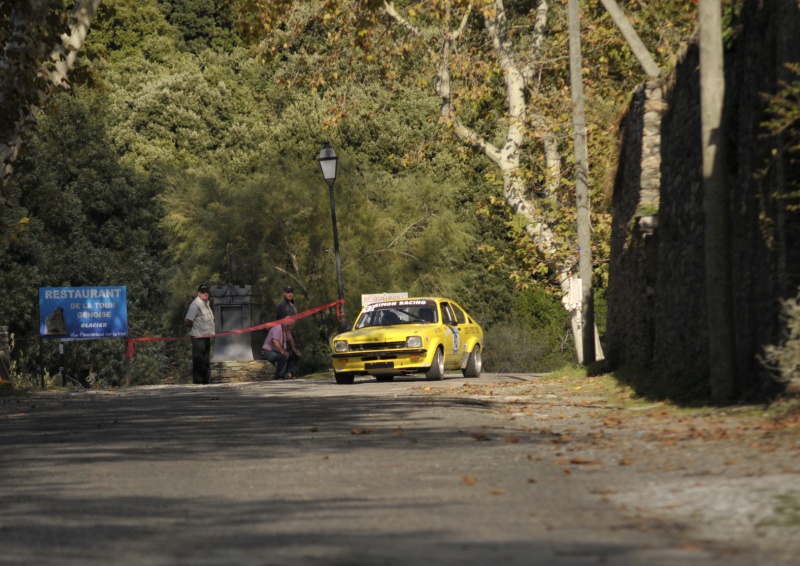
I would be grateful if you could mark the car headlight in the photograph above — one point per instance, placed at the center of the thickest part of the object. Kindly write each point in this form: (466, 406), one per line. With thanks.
(414, 342)
(340, 346)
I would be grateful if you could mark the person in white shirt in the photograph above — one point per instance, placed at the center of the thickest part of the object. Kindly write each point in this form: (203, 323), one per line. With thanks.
(200, 322)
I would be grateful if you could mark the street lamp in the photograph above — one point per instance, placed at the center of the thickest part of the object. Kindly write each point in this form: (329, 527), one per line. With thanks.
(328, 162)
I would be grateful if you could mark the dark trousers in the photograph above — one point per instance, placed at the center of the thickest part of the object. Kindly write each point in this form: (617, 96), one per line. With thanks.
(283, 365)
(201, 363)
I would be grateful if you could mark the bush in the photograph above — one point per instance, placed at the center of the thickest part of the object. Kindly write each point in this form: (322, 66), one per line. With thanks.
(784, 358)
(535, 339)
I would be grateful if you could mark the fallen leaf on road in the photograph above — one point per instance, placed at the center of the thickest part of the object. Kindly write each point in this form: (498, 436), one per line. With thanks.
(469, 480)
(479, 436)
(512, 439)
(497, 491)
(362, 430)
(585, 462)
(626, 462)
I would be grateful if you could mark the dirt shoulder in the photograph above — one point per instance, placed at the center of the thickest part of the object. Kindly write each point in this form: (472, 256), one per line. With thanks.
(727, 474)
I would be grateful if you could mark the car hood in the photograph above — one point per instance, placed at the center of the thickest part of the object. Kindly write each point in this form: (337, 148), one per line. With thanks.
(398, 332)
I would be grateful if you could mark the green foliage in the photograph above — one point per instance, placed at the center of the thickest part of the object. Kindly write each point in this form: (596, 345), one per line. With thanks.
(533, 335)
(357, 35)
(203, 24)
(525, 330)
(190, 112)
(783, 110)
(125, 32)
(513, 347)
(83, 219)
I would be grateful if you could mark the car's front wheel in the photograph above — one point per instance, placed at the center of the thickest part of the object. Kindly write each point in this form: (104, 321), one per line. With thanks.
(436, 371)
(474, 363)
(344, 378)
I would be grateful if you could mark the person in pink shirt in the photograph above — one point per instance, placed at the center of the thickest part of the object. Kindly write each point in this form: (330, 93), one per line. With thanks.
(279, 349)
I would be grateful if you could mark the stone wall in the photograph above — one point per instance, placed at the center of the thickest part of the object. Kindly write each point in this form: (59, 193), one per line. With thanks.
(656, 296)
(232, 372)
(629, 339)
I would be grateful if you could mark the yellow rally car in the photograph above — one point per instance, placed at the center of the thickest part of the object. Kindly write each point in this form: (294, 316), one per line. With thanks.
(398, 337)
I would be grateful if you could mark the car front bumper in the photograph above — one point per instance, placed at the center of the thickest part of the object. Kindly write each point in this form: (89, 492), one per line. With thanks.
(383, 361)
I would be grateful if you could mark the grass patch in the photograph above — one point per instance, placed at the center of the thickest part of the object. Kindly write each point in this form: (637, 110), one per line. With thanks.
(786, 511)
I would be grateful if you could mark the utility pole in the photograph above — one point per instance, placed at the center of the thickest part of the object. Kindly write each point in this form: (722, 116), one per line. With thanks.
(716, 204)
(581, 185)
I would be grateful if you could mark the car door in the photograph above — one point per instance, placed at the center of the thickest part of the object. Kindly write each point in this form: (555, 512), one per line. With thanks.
(452, 342)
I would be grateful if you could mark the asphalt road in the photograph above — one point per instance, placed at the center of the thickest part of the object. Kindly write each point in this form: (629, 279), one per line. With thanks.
(307, 472)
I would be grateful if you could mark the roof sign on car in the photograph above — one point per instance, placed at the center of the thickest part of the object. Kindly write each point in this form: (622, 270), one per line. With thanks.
(381, 297)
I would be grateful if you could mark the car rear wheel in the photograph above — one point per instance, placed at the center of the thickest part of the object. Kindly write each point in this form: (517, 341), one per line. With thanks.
(436, 371)
(344, 378)
(384, 377)
(474, 363)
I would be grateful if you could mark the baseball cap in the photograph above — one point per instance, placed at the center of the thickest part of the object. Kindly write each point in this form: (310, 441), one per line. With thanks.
(288, 289)
(203, 289)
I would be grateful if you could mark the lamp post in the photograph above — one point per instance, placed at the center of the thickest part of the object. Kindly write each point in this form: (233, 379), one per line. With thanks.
(328, 162)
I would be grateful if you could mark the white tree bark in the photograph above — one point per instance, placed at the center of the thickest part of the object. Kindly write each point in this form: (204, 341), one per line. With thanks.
(54, 71)
(586, 352)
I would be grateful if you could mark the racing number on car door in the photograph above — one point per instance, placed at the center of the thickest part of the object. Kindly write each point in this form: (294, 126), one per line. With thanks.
(453, 338)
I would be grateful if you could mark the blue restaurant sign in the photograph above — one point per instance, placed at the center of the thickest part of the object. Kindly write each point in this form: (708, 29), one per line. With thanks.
(83, 313)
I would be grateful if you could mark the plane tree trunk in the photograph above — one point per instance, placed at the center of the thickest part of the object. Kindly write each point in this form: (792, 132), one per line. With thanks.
(25, 88)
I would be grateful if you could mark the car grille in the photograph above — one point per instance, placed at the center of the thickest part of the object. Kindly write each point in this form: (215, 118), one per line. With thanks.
(373, 346)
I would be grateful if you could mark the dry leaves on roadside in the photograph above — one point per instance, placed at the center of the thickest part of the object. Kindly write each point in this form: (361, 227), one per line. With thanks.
(469, 480)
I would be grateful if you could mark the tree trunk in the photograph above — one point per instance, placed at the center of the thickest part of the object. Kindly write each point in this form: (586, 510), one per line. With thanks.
(716, 207)
(54, 72)
(587, 327)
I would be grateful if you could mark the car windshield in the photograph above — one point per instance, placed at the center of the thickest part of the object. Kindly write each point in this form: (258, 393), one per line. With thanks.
(398, 312)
